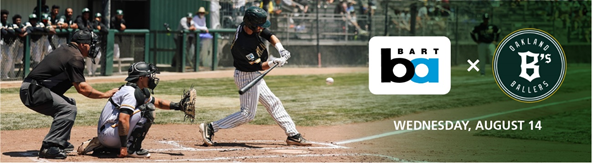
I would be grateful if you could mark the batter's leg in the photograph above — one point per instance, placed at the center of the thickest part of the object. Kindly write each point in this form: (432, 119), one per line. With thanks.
(276, 109)
(248, 103)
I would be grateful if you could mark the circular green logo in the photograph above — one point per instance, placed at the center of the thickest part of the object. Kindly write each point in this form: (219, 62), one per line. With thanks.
(529, 65)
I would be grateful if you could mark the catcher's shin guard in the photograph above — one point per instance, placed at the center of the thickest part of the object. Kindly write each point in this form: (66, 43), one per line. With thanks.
(138, 134)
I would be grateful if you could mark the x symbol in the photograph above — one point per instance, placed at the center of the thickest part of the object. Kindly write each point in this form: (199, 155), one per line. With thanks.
(473, 65)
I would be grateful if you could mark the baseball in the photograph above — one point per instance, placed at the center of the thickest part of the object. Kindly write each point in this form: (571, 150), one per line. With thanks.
(329, 81)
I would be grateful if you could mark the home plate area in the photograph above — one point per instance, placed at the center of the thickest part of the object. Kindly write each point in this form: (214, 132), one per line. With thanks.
(256, 151)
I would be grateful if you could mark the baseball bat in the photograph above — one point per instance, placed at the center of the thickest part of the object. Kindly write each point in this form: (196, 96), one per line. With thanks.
(254, 81)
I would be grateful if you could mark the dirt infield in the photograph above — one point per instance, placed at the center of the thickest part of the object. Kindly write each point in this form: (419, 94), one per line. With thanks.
(361, 142)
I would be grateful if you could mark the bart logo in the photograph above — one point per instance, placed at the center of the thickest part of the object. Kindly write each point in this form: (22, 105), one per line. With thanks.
(529, 65)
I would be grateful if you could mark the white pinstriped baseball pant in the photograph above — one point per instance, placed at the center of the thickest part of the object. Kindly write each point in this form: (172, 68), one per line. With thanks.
(249, 101)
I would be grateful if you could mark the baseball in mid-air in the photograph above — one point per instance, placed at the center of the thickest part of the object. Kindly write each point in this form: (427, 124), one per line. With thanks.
(329, 81)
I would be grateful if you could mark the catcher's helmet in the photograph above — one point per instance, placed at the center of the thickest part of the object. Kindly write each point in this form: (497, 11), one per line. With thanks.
(141, 69)
(254, 17)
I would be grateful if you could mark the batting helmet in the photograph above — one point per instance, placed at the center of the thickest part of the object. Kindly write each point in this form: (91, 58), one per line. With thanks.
(256, 17)
(141, 69)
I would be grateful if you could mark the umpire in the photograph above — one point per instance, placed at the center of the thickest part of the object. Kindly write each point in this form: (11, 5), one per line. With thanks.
(43, 91)
(488, 35)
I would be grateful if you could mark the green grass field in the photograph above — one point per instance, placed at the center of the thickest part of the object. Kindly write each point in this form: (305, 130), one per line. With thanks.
(307, 98)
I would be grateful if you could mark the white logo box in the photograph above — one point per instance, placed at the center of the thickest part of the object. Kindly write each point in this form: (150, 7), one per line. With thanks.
(406, 43)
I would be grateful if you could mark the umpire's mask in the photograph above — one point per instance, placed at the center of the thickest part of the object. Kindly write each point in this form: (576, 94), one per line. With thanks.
(94, 50)
(88, 37)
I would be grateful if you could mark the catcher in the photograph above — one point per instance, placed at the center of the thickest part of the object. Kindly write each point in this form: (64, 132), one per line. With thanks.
(129, 113)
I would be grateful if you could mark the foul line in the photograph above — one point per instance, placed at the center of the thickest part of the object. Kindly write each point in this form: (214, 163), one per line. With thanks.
(280, 156)
(179, 147)
(469, 119)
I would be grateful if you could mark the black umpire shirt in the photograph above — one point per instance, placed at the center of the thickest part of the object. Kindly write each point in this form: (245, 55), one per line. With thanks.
(249, 51)
(486, 33)
(59, 69)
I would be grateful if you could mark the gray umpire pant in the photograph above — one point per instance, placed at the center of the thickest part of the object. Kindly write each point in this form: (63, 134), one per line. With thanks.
(485, 52)
(63, 110)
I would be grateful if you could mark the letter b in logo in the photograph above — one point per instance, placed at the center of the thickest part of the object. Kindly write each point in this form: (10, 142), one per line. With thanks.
(404, 65)
(387, 65)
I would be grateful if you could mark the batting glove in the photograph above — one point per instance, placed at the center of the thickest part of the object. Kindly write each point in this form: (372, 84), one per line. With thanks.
(284, 54)
(276, 61)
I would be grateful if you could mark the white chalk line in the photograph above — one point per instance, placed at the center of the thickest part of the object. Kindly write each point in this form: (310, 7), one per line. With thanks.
(469, 119)
(280, 156)
(36, 159)
(179, 147)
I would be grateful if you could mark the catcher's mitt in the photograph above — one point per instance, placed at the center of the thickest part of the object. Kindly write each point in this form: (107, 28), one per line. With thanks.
(188, 104)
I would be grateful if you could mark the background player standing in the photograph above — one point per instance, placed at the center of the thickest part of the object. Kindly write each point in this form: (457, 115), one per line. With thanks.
(488, 35)
(250, 56)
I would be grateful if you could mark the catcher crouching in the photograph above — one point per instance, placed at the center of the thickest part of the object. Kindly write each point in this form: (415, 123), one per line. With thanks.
(129, 113)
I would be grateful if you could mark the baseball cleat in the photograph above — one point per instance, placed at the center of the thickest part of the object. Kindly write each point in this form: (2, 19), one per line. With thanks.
(88, 146)
(207, 133)
(139, 154)
(69, 148)
(297, 140)
(52, 153)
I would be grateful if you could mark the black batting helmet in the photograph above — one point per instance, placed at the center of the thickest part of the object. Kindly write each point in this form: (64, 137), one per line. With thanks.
(254, 17)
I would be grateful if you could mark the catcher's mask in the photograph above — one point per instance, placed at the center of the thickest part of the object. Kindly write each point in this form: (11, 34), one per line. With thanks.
(139, 69)
(88, 37)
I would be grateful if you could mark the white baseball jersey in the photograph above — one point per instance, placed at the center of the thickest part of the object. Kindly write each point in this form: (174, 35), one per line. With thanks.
(107, 133)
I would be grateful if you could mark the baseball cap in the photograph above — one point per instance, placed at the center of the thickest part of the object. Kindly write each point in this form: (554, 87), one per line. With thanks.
(485, 16)
(119, 12)
(189, 15)
(33, 16)
(86, 10)
(98, 15)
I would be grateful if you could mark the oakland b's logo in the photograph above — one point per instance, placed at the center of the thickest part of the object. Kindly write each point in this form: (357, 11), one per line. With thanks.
(529, 65)
(409, 65)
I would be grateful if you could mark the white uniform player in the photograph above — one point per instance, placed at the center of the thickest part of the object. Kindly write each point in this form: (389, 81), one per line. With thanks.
(37, 41)
(129, 111)
(250, 56)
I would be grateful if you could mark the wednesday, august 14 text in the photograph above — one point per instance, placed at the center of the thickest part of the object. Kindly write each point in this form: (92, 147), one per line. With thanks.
(468, 125)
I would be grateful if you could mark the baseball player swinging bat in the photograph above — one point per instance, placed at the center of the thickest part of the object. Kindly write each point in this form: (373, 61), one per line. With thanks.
(254, 81)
